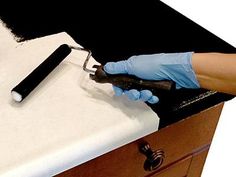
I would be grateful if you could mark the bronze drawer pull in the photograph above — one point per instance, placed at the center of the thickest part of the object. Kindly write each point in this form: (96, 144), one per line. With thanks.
(154, 158)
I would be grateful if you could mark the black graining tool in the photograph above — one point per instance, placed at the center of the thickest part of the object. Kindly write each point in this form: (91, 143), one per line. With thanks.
(126, 82)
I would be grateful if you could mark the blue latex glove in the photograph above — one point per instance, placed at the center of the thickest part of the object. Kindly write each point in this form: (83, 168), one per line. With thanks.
(164, 66)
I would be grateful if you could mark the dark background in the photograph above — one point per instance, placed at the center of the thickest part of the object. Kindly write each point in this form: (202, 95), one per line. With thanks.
(116, 29)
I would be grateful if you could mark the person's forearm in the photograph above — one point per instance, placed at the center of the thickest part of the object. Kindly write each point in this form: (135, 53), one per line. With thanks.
(216, 71)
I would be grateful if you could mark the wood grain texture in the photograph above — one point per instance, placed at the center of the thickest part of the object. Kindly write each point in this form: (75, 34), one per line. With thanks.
(178, 169)
(196, 166)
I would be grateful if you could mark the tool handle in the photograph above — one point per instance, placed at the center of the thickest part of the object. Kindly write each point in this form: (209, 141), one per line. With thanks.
(127, 82)
(28, 84)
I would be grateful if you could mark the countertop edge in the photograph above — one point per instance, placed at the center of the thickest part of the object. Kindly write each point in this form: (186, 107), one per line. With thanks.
(75, 154)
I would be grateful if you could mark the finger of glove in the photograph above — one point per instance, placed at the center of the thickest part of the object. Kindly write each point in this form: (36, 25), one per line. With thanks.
(119, 67)
(132, 94)
(118, 91)
(146, 95)
(154, 99)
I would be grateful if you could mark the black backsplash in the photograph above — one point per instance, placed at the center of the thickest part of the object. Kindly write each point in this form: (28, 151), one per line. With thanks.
(116, 30)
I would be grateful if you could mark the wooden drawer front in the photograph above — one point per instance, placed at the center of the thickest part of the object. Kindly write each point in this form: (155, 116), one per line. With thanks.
(197, 163)
(178, 140)
(190, 166)
(178, 169)
(186, 137)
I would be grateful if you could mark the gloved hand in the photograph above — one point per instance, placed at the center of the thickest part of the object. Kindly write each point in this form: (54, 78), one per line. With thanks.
(164, 66)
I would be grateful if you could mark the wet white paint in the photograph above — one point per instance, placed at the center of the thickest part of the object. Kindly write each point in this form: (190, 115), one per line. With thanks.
(68, 119)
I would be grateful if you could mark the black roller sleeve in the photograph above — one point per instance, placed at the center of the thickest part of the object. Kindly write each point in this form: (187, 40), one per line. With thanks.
(41, 72)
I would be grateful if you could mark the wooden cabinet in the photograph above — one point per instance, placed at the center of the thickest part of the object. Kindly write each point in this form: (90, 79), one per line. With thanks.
(184, 146)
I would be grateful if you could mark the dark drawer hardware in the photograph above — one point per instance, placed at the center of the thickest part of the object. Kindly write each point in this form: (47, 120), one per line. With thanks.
(154, 158)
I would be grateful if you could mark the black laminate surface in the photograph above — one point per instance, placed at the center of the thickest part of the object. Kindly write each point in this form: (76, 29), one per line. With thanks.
(116, 30)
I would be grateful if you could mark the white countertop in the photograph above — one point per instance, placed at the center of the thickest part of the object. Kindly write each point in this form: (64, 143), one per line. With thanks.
(68, 119)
